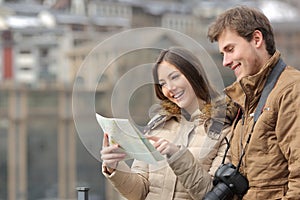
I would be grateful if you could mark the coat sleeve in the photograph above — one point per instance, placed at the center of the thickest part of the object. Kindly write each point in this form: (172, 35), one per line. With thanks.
(226, 132)
(288, 135)
(131, 184)
(194, 176)
(196, 180)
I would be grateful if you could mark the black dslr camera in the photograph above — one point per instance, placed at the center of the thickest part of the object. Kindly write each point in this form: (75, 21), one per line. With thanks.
(227, 183)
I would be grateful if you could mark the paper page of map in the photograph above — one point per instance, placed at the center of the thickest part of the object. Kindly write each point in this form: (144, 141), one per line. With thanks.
(136, 146)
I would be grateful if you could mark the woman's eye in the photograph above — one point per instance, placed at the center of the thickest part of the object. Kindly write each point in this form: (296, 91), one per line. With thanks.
(175, 76)
(162, 84)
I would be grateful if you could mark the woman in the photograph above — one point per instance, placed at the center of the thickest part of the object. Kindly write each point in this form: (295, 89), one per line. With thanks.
(179, 130)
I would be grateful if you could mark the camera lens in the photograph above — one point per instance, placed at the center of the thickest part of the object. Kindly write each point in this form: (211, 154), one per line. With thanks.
(220, 192)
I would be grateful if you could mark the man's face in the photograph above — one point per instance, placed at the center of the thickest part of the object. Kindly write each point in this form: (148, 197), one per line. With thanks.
(238, 54)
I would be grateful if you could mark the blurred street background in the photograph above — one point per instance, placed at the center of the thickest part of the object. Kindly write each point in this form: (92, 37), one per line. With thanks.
(43, 43)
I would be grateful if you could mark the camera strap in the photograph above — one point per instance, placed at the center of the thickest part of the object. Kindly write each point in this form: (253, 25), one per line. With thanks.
(269, 85)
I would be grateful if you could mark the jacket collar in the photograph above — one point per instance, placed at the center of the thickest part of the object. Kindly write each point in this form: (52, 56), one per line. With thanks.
(198, 117)
(249, 88)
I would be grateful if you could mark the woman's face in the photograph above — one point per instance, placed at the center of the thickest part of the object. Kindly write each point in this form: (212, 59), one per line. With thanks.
(176, 87)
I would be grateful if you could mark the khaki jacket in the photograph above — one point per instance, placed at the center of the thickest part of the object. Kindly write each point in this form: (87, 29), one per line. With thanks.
(185, 175)
(272, 159)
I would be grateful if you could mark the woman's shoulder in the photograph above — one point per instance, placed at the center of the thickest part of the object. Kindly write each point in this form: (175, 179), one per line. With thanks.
(223, 114)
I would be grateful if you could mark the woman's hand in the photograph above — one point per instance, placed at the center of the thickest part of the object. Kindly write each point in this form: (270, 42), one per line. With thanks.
(164, 146)
(110, 155)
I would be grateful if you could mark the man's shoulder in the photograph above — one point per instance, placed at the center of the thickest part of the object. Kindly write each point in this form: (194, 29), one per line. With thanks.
(289, 78)
(290, 75)
(292, 69)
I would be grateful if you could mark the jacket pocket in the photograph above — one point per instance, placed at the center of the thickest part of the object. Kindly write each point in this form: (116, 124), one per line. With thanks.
(264, 138)
(270, 193)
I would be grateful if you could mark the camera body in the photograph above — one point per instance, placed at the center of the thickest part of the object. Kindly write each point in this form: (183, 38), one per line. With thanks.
(227, 183)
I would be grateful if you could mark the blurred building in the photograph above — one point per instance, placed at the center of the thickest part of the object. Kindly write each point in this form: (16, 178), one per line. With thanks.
(43, 45)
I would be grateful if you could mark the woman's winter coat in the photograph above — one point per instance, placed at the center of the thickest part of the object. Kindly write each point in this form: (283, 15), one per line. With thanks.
(185, 175)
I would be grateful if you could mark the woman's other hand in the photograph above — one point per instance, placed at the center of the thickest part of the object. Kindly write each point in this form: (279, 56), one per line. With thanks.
(110, 155)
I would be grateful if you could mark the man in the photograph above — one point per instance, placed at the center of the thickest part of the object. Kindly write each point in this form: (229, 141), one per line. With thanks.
(269, 149)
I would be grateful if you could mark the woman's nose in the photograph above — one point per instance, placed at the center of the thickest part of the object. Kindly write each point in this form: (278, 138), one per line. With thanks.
(170, 86)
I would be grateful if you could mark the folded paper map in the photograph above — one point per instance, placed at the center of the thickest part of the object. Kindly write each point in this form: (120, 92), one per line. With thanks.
(130, 140)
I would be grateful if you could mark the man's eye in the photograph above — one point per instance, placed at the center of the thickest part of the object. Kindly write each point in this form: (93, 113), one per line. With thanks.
(230, 49)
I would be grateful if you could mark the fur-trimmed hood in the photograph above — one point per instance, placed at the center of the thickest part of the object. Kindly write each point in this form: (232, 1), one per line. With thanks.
(215, 116)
